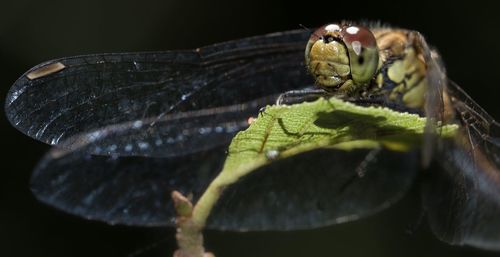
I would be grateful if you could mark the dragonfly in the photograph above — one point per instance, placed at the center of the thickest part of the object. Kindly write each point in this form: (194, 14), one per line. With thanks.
(129, 128)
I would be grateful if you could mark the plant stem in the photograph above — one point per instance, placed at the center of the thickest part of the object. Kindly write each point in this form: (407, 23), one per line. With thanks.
(189, 234)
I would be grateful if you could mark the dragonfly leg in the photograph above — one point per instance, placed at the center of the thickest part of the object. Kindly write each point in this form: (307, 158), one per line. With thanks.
(297, 96)
(361, 169)
(301, 95)
(367, 101)
(369, 158)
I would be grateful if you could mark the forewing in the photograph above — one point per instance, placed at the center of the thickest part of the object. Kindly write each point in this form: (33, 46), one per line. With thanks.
(65, 97)
(171, 135)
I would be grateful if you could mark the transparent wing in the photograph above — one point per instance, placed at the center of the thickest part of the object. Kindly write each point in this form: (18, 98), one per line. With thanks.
(171, 135)
(434, 105)
(462, 195)
(314, 189)
(463, 198)
(64, 97)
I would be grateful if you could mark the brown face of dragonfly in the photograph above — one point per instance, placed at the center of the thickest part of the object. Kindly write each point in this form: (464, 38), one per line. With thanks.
(342, 58)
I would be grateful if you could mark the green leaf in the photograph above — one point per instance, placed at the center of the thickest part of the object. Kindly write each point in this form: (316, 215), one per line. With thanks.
(285, 131)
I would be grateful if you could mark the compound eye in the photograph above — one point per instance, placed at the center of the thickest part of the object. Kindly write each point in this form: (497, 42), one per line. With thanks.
(363, 53)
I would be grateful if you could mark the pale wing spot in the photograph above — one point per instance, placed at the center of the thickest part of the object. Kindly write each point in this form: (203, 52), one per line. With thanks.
(45, 70)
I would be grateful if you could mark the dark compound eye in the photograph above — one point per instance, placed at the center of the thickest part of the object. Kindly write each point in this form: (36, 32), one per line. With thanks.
(363, 36)
(363, 52)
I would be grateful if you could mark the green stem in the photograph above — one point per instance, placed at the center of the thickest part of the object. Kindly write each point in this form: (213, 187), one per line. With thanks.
(189, 236)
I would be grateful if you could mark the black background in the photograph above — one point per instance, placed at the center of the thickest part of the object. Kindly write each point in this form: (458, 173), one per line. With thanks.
(466, 33)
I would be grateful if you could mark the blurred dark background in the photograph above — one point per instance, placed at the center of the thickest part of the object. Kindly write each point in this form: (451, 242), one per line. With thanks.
(466, 32)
